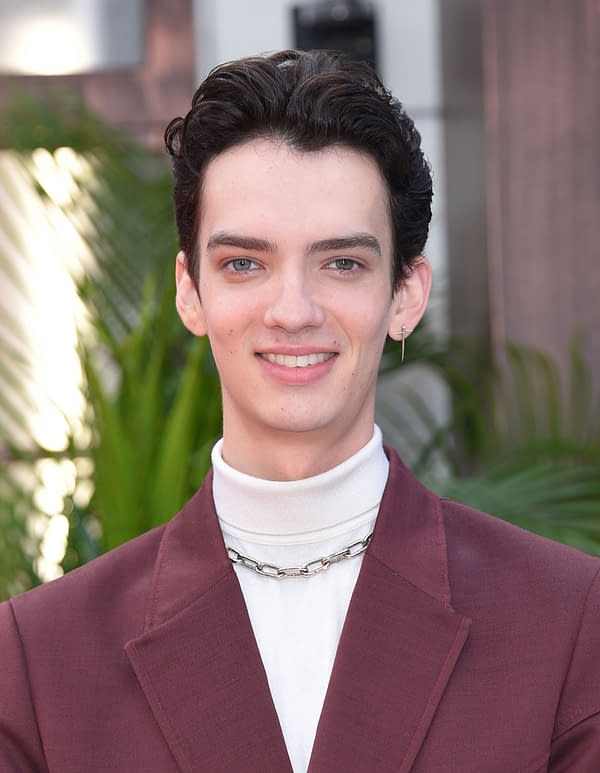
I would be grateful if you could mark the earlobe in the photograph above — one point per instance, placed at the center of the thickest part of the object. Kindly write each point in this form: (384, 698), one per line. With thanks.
(410, 300)
(187, 299)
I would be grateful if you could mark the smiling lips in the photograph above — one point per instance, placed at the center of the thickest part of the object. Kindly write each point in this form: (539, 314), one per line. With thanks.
(297, 361)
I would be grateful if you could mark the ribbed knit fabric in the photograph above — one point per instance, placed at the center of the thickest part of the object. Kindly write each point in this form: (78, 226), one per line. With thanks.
(297, 622)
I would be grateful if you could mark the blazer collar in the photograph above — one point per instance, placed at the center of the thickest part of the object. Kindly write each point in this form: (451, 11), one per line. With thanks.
(197, 661)
(400, 642)
(199, 667)
(410, 538)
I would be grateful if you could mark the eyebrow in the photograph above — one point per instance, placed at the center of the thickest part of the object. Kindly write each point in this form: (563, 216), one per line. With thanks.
(339, 243)
(332, 244)
(226, 239)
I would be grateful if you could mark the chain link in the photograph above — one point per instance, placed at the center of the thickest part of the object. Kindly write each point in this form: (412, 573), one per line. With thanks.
(307, 570)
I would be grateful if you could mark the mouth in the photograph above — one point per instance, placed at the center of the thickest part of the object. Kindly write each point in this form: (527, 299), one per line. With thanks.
(297, 361)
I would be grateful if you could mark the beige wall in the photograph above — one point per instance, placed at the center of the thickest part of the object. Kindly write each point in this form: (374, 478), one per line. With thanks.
(522, 142)
(542, 106)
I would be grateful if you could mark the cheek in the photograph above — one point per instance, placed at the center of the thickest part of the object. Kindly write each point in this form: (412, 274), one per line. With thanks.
(221, 319)
(372, 325)
(370, 337)
(225, 333)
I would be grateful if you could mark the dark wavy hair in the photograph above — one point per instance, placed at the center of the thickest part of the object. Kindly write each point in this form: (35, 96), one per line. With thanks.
(311, 100)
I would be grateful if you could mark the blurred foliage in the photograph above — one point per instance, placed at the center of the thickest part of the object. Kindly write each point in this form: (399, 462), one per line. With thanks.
(59, 120)
(19, 543)
(522, 440)
(153, 433)
(152, 390)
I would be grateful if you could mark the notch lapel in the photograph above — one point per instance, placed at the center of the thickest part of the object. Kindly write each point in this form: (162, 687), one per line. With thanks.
(400, 642)
(197, 662)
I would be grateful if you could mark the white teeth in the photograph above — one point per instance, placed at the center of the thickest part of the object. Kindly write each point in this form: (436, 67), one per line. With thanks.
(300, 361)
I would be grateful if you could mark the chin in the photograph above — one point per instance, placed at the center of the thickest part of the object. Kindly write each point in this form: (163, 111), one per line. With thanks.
(299, 423)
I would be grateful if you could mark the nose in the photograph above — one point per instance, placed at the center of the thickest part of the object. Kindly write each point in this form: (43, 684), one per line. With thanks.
(294, 305)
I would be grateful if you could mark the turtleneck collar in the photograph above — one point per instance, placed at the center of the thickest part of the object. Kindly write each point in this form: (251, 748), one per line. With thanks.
(300, 510)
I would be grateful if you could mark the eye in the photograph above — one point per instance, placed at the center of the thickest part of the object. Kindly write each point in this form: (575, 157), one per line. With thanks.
(344, 265)
(241, 265)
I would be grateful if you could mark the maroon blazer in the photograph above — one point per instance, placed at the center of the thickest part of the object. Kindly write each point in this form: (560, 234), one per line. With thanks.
(470, 646)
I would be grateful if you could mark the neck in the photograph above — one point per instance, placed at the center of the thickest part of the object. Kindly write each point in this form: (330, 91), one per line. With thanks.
(300, 510)
(291, 455)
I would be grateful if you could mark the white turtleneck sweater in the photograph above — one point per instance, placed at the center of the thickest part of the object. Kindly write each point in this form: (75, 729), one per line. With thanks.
(297, 621)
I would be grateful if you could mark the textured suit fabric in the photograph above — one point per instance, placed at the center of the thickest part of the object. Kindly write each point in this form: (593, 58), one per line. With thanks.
(469, 646)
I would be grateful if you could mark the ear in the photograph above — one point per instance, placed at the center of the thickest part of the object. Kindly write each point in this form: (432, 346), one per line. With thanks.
(410, 300)
(187, 299)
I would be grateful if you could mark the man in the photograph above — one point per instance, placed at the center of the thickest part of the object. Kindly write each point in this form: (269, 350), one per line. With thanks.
(313, 607)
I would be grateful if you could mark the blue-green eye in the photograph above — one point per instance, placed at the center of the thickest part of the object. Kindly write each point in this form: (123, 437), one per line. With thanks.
(242, 265)
(344, 264)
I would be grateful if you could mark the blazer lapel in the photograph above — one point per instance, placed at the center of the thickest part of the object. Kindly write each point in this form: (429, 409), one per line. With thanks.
(400, 641)
(197, 661)
(198, 664)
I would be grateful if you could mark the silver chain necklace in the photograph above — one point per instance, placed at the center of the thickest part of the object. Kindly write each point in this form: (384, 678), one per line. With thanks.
(308, 570)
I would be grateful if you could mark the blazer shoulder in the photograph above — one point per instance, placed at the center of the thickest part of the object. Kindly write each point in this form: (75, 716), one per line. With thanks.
(113, 587)
(512, 564)
(475, 545)
(495, 537)
(117, 595)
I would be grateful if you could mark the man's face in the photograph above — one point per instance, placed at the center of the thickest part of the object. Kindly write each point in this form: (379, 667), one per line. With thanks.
(295, 294)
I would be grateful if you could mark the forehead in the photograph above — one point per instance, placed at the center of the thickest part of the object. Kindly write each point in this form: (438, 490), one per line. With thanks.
(265, 187)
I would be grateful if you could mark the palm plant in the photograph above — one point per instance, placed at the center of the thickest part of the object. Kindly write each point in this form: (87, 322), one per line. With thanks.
(153, 431)
(154, 427)
(153, 408)
(522, 440)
